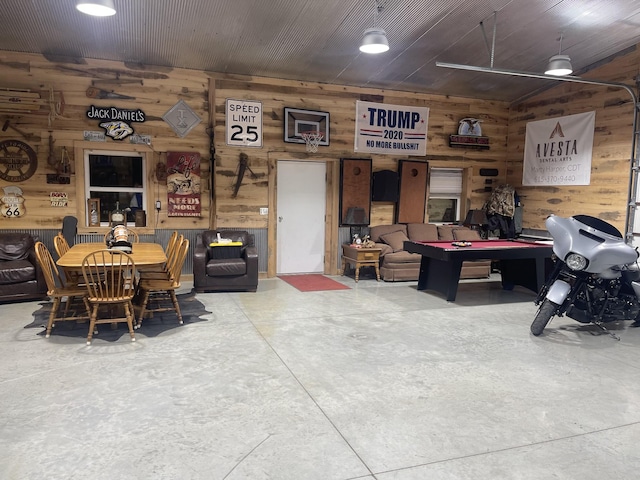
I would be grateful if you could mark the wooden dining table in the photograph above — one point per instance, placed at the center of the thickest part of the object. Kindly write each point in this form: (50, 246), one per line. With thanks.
(143, 254)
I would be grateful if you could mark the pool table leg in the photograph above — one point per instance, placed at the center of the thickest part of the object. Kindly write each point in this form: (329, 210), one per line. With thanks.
(443, 277)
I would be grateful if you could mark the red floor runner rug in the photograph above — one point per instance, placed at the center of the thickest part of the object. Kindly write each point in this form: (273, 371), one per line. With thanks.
(312, 282)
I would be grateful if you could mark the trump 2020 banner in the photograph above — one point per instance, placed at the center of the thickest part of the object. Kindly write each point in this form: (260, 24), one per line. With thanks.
(391, 129)
(558, 151)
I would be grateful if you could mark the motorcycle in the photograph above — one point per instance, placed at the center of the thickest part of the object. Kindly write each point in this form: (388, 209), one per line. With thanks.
(595, 279)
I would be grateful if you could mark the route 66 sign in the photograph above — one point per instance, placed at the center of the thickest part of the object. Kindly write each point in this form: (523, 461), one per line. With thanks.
(18, 161)
(12, 203)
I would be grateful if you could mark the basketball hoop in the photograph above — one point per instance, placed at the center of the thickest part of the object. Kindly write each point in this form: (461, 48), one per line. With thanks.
(312, 138)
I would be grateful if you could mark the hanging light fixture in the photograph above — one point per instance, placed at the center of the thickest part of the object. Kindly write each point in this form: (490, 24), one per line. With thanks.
(375, 39)
(559, 65)
(97, 8)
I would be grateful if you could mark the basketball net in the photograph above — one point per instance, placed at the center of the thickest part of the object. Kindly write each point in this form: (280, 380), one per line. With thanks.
(312, 139)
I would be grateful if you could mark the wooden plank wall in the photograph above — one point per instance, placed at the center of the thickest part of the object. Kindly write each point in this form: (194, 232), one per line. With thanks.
(340, 102)
(606, 196)
(156, 89)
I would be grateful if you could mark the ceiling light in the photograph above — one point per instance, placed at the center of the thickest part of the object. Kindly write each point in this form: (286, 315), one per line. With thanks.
(374, 41)
(559, 65)
(97, 8)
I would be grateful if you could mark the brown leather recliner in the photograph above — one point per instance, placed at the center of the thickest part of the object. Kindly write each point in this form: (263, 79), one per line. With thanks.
(21, 277)
(225, 268)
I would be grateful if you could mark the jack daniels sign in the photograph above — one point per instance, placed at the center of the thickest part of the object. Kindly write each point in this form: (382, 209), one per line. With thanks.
(116, 121)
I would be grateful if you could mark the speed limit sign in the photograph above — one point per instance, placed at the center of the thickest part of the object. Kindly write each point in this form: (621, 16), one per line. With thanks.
(244, 123)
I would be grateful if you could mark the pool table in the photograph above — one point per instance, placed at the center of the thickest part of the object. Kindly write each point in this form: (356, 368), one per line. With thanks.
(521, 263)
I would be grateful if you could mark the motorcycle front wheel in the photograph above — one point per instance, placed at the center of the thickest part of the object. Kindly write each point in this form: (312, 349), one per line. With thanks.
(545, 312)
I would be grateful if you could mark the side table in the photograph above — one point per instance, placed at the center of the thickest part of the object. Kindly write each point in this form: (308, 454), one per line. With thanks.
(361, 257)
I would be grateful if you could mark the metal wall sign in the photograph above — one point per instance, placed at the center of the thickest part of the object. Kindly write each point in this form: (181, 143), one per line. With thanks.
(12, 202)
(244, 123)
(116, 121)
(18, 161)
(92, 136)
(181, 118)
(183, 184)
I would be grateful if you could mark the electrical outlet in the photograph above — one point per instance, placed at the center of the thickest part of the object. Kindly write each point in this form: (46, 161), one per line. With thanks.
(264, 211)
(158, 205)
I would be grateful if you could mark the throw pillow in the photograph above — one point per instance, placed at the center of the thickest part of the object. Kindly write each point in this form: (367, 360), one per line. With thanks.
(426, 232)
(445, 232)
(466, 234)
(395, 240)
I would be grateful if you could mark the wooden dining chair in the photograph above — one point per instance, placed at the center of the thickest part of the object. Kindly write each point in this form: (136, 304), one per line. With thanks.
(107, 274)
(161, 271)
(57, 289)
(161, 288)
(62, 246)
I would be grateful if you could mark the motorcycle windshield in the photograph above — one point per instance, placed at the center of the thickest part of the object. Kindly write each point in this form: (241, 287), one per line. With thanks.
(603, 249)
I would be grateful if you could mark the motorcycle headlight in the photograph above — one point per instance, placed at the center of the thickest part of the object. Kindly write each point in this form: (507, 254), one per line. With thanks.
(576, 262)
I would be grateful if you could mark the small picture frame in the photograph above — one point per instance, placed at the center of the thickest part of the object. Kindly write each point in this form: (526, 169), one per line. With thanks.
(298, 121)
(93, 205)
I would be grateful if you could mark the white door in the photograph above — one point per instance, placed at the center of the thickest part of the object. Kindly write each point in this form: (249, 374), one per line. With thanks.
(301, 203)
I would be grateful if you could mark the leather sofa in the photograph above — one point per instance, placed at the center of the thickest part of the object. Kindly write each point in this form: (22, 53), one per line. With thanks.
(396, 264)
(21, 277)
(225, 268)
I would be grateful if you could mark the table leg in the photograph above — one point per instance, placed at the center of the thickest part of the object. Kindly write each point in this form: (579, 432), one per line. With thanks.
(357, 271)
(377, 267)
(344, 265)
(440, 276)
(526, 272)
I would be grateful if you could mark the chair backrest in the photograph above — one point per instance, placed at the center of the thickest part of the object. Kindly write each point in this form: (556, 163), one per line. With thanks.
(174, 242)
(61, 245)
(108, 275)
(209, 236)
(175, 270)
(132, 236)
(49, 268)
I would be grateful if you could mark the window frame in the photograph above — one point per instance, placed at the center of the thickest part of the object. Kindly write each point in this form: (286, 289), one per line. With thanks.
(88, 188)
(82, 150)
(447, 195)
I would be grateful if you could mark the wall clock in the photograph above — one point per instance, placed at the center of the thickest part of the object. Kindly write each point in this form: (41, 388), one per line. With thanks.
(18, 161)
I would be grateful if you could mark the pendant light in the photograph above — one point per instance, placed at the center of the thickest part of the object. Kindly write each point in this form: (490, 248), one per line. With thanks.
(559, 65)
(97, 8)
(375, 39)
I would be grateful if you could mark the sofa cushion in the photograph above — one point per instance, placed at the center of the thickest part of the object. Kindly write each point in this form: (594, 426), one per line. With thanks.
(15, 246)
(402, 257)
(226, 267)
(422, 232)
(466, 234)
(445, 232)
(395, 240)
(16, 271)
(376, 232)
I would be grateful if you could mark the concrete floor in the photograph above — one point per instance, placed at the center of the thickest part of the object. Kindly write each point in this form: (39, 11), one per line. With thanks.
(376, 382)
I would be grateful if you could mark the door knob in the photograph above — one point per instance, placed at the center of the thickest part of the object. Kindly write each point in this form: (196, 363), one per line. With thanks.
(279, 219)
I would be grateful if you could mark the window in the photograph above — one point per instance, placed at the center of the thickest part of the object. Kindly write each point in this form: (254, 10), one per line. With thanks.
(445, 188)
(116, 178)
